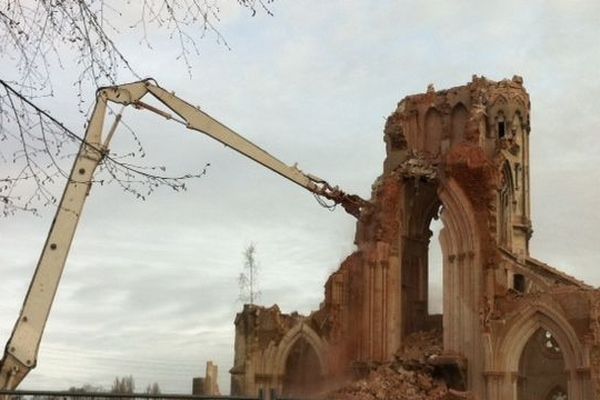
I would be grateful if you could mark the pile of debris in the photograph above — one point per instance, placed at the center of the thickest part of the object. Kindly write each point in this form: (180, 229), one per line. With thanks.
(412, 375)
(422, 347)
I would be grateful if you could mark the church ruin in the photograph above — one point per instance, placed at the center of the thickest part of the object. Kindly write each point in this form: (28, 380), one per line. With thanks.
(513, 327)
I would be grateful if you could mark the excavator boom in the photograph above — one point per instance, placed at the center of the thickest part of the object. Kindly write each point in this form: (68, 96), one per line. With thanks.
(20, 355)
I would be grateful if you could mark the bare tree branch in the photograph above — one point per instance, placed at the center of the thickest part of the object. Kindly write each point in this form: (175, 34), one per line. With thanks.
(248, 279)
(34, 36)
(38, 144)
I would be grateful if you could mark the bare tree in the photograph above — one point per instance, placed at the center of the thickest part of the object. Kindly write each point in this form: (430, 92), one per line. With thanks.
(248, 279)
(123, 385)
(153, 389)
(86, 388)
(36, 31)
(36, 36)
(39, 152)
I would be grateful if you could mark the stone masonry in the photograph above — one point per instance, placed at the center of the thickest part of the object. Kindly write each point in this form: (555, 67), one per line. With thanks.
(513, 327)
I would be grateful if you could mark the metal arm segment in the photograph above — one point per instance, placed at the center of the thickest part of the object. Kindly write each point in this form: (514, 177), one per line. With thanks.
(20, 355)
(198, 120)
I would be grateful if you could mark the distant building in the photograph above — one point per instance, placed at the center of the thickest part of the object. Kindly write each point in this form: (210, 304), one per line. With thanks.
(207, 385)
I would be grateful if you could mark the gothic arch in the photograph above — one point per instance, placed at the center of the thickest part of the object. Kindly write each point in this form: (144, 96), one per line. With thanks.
(425, 207)
(506, 198)
(460, 115)
(508, 176)
(299, 331)
(434, 128)
(500, 126)
(422, 205)
(526, 323)
(463, 275)
(458, 216)
(522, 327)
(508, 110)
(500, 101)
(517, 121)
(521, 118)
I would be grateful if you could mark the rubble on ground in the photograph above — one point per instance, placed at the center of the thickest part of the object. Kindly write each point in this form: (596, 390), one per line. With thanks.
(411, 376)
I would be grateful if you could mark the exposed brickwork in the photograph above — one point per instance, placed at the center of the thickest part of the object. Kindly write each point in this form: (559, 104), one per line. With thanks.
(461, 154)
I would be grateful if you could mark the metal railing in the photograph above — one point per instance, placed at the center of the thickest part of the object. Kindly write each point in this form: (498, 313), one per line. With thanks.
(72, 395)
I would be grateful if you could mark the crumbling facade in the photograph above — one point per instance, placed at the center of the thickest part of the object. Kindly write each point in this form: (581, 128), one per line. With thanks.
(287, 353)
(513, 327)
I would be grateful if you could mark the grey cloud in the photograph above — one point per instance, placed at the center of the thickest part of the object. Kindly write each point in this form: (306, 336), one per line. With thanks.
(155, 280)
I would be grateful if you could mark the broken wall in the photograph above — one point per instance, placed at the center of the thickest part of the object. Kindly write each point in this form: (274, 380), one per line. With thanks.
(461, 155)
(283, 352)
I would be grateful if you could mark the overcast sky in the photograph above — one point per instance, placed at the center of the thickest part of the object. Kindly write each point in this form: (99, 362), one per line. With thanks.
(150, 288)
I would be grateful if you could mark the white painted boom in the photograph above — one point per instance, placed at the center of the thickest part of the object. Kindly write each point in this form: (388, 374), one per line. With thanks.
(20, 355)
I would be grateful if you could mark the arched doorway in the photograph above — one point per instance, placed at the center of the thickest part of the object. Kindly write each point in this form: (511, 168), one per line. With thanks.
(542, 369)
(540, 332)
(422, 272)
(303, 374)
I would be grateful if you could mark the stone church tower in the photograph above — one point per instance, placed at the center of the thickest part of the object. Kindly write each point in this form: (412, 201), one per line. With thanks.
(513, 327)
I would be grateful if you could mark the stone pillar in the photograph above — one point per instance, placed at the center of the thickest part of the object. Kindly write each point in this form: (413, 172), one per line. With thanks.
(378, 288)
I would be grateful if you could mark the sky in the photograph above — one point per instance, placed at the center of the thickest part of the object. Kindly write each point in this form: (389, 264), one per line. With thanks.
(150, 288)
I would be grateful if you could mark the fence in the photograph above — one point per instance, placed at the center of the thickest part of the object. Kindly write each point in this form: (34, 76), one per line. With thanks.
(68, 395)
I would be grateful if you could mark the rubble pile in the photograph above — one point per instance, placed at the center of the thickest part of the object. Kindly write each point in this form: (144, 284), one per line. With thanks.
(421, 347)
(411, 376)
(394, 382)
